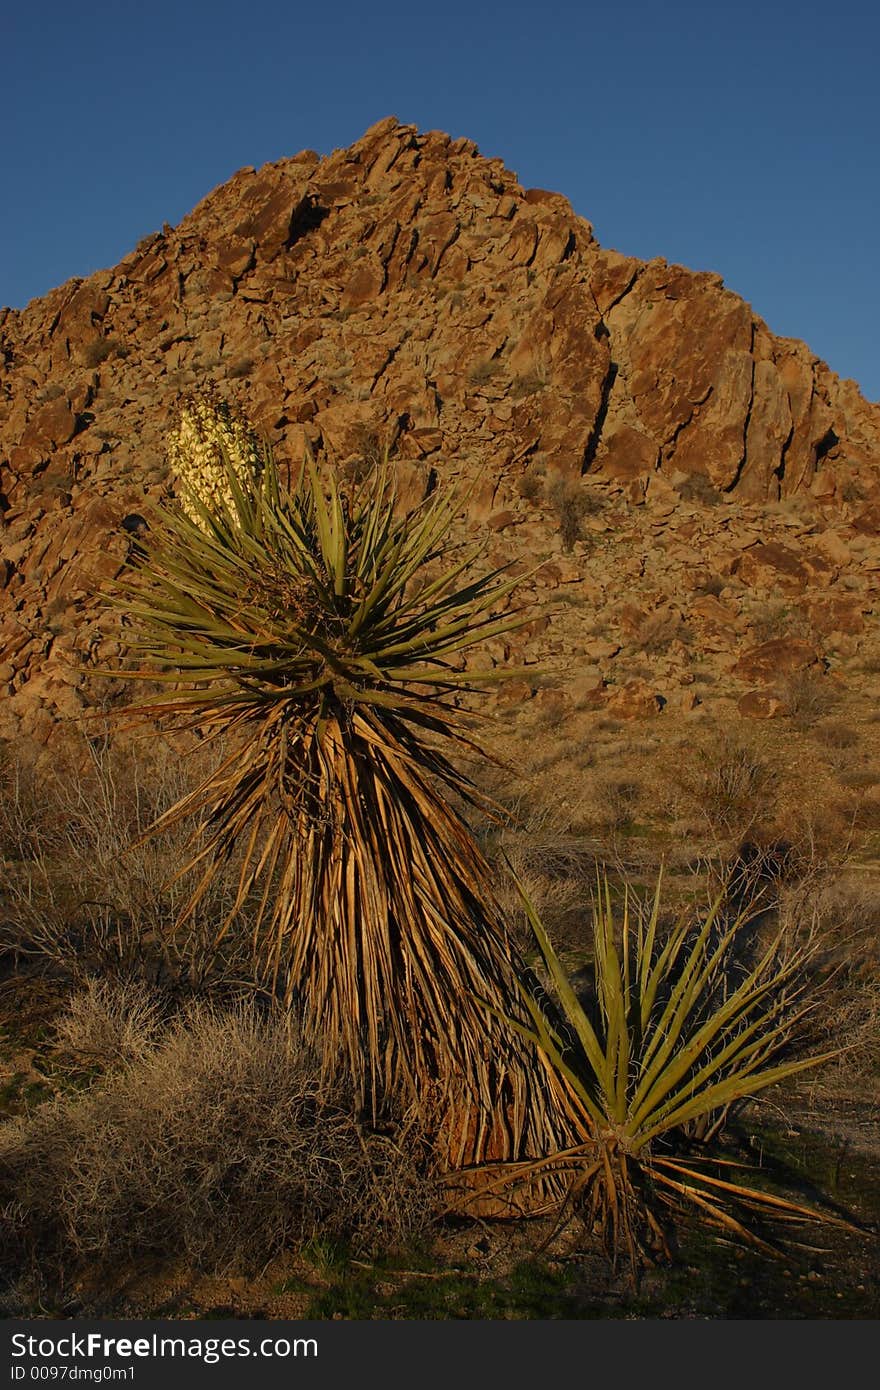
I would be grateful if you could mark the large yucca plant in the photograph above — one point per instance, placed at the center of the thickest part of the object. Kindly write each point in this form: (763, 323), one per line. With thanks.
(322, 635)
(680, 1030)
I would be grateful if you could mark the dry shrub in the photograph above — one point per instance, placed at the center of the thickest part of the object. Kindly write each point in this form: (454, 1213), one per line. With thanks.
(870, 663)
(242, 366)
(538, 838)
(561, 902)
(845, 904)
(780, 619)
(861, 812)
(696, 487)
(50, 392)
(859, 778)
(371, 448)
(83, 897)
(759, 869)
(99, 349)
(842, 905)
(572, 502)
(22, 809)
(530, 485)
(221, 1145)
(729, 784)
(616, 800)
(851, 1019)
(836, 734)
(487, 369)
(529, 383)
(809, 697)
(107, 1023)
(554, 863)
(658, 630)
(704, 582)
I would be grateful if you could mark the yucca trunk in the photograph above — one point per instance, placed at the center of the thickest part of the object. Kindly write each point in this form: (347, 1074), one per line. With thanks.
(387, 935)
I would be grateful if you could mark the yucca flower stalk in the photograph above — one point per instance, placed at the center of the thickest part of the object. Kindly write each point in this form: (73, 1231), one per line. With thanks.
(680, 1031)
(321, 636)
(209, 441)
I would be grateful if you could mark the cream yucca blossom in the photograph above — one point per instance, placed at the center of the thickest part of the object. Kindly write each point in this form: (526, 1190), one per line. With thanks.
(210, 446)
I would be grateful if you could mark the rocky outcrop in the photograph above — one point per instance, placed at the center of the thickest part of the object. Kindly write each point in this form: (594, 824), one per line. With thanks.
(408, 289)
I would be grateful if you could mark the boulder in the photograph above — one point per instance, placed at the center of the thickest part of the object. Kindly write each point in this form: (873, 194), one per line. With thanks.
(634, 700)
(782, 656)
(763, 704)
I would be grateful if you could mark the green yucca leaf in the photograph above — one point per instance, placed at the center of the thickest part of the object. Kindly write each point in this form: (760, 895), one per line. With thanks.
(685, 992)
(649, 978)
(574, 1012)
(739, 1086)
(729, 1018)
(197, 601)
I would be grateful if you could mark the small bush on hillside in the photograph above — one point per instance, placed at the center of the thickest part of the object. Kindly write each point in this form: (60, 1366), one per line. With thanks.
(485, 371)
(99, 349)
(530, 382)
(809, 697)
(729, 784)
(836, 734)
(616, 801)
(713, 584)
(658, 630)
(870, 664)
(776, 619)
(843, 904)
(859, 778)
(572, 503)
(242, 366)
(697, 488)
(537, 840)
(530, 485)
(22, 810)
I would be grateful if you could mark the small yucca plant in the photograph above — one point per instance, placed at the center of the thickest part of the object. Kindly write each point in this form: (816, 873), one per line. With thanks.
(321, 636)
(679, 1032)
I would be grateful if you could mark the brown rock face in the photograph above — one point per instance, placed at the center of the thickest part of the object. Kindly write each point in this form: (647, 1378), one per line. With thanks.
(409, 289)
(762, 704)
(634, 700)
(784, 656)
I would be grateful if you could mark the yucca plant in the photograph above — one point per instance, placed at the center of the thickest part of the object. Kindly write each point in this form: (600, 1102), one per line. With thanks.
(322, 636)
(680, 1031)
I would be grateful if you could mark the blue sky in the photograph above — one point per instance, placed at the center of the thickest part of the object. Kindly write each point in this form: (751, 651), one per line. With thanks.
(740, 137)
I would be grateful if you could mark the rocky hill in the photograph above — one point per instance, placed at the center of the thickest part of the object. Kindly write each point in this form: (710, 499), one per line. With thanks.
(705, 496)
